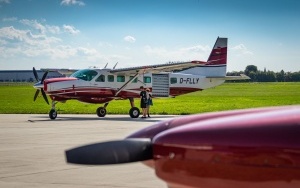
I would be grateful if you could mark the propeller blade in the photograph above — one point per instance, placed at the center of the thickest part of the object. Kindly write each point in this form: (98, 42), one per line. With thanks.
(35, 74)
(113, 152)
(44, 76)
(36, 94)
(45, 96)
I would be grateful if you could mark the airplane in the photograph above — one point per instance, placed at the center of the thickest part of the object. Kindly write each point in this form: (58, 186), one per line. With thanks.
(246, 148)
(100, 86)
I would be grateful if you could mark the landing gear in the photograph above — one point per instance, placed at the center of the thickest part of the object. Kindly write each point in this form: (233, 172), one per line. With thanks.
(101, 111)
(134, 112)
(53, 112)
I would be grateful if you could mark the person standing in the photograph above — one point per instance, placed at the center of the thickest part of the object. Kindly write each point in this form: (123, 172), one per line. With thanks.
(143, 96)
(149, 101)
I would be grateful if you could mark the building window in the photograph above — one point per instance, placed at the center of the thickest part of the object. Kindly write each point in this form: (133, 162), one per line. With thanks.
(120, 78)
(173, 80)
(111, 78)
(101, 78)
(147, 79)
(134, 81)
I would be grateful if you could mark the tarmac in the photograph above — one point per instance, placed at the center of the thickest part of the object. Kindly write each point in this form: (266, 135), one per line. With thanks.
(32, 151)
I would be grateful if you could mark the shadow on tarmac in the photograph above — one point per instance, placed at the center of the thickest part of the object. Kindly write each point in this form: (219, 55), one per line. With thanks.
(156, 118)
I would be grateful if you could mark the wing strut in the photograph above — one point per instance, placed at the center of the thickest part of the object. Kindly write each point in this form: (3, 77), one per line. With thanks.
(129, 81)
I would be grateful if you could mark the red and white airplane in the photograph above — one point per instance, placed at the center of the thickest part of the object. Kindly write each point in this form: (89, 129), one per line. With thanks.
(164, 80)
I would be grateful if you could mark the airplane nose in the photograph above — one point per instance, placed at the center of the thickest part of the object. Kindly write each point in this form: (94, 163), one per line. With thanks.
(38, 85)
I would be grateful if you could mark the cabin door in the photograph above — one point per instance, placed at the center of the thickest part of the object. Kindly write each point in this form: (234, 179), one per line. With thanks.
(160, 85)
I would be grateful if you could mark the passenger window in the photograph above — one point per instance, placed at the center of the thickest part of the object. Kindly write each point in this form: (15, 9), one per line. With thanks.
(101, 78)
(147, 79)
(173, 80)
(134, 81)
(111, 78)
(120, 78)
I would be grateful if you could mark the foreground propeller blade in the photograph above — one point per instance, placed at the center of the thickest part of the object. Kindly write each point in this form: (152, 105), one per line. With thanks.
(44, 76)
(113, 152)
(45, 96)
(36, 94)
(35, 74)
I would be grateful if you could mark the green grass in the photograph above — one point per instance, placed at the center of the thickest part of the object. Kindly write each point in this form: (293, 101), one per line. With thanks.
(18, 99)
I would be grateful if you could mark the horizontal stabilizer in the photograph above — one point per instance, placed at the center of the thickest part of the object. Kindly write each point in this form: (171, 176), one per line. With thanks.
(241, 77)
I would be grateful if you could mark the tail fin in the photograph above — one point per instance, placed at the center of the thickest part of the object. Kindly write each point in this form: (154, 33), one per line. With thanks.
(216, 63)
(218, 55)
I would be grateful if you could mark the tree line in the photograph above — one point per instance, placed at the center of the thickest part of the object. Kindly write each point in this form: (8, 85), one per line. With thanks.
(266, 76)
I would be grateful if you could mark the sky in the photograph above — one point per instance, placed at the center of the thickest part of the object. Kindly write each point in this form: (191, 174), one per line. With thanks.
(83, 33)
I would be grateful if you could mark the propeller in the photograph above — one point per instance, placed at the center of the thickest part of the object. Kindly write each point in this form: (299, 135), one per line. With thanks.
(39, 85)
(112, 152)
(35, 75)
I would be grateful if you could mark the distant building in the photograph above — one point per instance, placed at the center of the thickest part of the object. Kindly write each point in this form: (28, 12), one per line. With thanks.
(24, 75)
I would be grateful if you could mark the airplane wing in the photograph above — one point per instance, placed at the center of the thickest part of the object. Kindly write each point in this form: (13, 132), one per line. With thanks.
(241, 77)
(168, 67)
(66, 72)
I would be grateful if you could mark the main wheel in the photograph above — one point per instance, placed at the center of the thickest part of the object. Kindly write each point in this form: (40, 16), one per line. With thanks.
(101, 111)
(134, 112)
(52, 114)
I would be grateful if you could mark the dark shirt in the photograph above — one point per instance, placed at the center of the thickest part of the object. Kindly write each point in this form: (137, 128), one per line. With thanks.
(143, 96)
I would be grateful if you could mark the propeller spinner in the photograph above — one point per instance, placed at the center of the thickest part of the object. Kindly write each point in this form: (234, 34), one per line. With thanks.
(40, 85)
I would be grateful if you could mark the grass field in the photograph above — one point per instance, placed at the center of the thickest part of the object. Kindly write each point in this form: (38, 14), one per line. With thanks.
(18, 99)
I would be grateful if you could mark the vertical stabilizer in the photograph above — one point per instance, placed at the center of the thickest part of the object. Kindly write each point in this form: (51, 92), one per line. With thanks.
(218, 55)
(216, 63)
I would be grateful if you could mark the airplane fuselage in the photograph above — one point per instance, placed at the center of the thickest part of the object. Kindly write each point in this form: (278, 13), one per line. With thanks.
(100, 86)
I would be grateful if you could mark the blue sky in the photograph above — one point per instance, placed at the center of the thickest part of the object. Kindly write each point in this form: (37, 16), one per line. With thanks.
(84, 33)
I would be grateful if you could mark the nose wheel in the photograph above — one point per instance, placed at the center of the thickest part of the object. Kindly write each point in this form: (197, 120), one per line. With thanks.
(53, 112)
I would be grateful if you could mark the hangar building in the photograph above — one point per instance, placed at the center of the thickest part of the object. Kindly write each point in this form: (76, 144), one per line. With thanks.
(24, 75)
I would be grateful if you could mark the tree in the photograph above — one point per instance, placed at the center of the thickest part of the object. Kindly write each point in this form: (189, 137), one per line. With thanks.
(266, 76)
(250, 68)
(280, 76)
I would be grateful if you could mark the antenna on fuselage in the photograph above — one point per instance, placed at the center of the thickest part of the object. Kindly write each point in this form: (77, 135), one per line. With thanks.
(115, 65)
(106, 65)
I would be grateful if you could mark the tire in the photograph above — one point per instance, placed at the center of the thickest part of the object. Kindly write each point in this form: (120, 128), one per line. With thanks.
(134, 112)
(101, 112)
(52, 114)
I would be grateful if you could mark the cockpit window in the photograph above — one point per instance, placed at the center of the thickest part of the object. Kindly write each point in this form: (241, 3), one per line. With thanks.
(85, 74)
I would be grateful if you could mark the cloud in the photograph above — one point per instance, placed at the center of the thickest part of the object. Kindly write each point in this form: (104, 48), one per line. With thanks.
(197, 49)
(53, 29)
(241, 49)
(42, 29)
(5, 1)
(72, 2)
(11, 19)
(130, 39)
(15, 37)
(182, 54)
(70, 29)
(35, 24)
(15, 43)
